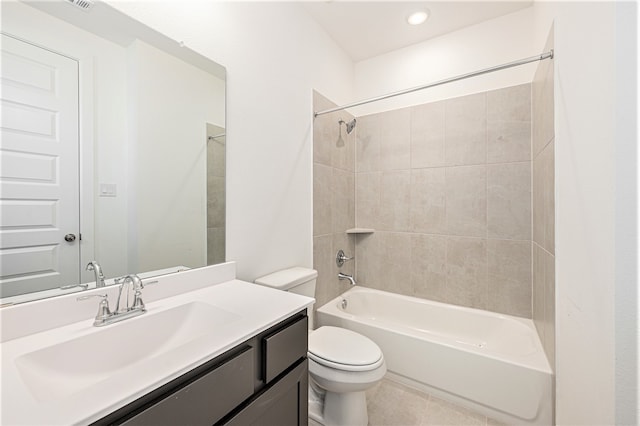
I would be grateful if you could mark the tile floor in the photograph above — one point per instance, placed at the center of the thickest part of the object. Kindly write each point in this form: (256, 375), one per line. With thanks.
(392, 404)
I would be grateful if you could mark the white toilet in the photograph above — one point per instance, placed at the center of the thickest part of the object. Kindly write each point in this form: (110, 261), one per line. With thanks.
(342, 364)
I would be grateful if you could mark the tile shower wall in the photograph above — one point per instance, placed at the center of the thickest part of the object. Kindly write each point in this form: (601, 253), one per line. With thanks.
(333, 198)
(543, 247)
(216, 205)
(447, 187)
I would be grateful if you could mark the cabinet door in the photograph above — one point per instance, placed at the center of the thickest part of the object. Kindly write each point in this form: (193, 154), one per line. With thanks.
(284, 403)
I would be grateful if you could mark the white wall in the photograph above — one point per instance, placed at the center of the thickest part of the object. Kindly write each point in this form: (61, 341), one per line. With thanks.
(588, 272)
(487, 44)
(103, 124)
(171, 104)
(626, 305)
(275, 55)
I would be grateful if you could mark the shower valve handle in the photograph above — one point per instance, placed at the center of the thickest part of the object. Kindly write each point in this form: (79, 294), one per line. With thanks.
(341, 258)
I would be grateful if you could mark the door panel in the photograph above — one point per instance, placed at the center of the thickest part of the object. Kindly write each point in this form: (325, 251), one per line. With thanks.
(39, 179)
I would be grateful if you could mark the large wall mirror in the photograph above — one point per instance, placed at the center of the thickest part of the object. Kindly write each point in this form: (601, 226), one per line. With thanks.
(113, 150)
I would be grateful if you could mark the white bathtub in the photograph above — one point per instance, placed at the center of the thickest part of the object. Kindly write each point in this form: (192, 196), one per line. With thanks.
(488, 362)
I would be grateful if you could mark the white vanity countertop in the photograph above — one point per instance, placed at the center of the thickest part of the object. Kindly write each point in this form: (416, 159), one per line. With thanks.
(253, 309)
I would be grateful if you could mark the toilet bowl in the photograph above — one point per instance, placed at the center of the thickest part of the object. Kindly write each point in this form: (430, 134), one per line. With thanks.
(342, 363)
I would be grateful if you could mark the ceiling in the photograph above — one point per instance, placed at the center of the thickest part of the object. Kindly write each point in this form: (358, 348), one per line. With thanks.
(365, 29)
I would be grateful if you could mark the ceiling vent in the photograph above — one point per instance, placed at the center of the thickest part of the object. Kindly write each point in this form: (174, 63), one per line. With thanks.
(85, 5)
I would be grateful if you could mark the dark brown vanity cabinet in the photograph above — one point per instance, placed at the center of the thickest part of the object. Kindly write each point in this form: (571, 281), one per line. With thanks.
(262, 381)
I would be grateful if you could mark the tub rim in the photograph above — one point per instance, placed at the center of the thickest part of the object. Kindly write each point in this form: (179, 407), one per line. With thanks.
(539, 363)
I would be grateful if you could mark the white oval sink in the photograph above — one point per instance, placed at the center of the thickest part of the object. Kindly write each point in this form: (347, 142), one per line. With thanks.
(62, 369)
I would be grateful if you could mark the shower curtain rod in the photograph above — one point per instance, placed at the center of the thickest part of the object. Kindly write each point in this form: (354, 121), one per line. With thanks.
(546, 55)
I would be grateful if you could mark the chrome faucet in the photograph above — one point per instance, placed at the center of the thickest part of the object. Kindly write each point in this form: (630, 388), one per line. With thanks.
(123, 282)
(106, 316)
(97, 270)
(347, 277)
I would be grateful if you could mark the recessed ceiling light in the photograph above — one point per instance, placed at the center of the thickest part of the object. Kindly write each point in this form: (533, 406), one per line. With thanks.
(417, 18)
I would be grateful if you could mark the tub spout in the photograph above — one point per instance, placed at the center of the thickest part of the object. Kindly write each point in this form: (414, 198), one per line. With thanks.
(347, 277)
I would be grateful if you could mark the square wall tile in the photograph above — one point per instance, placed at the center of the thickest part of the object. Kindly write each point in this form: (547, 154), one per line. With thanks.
(368, 200)
(508, 141)
(395, 262)
(509, 124)
(537, 200)
(368, 143)
(538, 289)
(343, 200)
(395, 127)
(322, 262)
(427, 135)
(549, 307)
(543, 111)
(395, 198)
(216, 201)
(466, 130)
(216, 152)
(542, 94)
(215, 245)
(509, 201)
(429, 266)
(509, 104)
(547, 157)
(467, 272)
(322, 199)
(428, 201)
(368, 256)
(466, 189)
(509, 277)
(325, 130)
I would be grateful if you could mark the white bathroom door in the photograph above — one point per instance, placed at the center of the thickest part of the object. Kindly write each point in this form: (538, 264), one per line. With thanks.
(39, 179)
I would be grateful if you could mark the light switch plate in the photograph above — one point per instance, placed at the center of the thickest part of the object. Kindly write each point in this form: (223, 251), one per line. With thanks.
(108, 190)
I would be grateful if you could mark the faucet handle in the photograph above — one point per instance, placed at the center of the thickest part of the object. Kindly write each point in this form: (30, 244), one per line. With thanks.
(70, 286)
(89, 296)
(103, 307)
(138, 304)
(144, 284)
(341, 258)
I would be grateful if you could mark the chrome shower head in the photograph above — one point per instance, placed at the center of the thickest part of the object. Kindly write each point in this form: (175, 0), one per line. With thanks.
(350, 125)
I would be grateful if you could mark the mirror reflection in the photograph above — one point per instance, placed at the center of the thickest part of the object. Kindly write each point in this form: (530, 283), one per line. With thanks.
(113, 151)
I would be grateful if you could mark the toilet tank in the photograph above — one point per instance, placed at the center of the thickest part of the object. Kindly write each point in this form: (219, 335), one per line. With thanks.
(295, 280)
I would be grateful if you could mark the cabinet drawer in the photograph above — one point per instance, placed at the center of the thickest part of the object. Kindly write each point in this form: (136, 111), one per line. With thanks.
(284, 347)
(207, 399)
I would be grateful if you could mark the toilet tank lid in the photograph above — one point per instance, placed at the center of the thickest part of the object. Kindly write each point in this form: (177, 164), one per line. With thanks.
(287, 278)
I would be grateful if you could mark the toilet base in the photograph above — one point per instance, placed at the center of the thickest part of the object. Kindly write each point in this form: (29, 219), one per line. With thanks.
(341, 409)
(338, 409)
(316, 403)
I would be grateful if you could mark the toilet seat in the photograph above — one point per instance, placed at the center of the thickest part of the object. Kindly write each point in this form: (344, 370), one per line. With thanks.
(344, 349)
